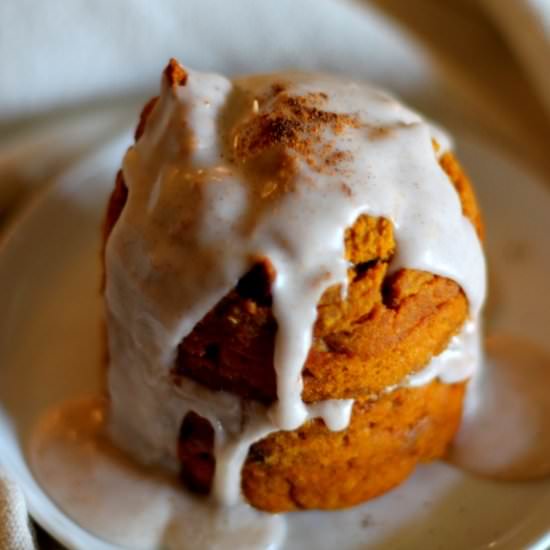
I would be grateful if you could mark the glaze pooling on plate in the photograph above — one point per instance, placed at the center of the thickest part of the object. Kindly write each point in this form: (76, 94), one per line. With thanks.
(458, 510)
(128, 504)
(136, 506)
(202, 209)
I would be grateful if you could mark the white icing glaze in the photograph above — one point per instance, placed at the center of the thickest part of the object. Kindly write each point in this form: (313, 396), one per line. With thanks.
(114, 497)
(150, 432)
(458, 362)
(130, 505)
(336, 413)
(194, 223)
(231, 455)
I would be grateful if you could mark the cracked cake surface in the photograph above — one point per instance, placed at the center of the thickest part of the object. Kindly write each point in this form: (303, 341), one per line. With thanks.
(376, 320)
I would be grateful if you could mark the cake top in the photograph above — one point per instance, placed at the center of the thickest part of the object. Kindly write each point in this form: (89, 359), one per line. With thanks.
(273, 168)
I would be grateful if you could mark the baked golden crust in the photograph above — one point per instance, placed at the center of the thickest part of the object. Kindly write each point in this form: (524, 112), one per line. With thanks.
(313, 467)
(388, 326)
(361, 346)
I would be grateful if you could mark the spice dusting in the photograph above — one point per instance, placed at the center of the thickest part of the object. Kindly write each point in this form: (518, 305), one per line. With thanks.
(297, 127)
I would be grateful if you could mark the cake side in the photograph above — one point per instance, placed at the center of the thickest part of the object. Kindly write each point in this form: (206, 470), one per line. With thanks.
(374, 318)
(387, 327)
(315, 468)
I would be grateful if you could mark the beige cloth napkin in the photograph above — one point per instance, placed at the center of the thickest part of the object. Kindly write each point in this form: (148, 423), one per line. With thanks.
(15, 532)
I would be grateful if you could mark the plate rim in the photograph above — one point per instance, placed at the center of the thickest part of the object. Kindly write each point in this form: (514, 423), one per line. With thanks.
(25, 216)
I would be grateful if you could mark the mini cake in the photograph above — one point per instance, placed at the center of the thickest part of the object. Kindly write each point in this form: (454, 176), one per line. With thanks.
(293, 281)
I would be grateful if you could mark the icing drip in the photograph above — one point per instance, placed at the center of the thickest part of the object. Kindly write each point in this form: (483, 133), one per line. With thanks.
(218, 180)
(458, 362)
(111, 495)
(129, 505)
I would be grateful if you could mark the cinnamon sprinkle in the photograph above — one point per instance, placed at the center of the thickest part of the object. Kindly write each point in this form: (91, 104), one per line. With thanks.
(293, 123)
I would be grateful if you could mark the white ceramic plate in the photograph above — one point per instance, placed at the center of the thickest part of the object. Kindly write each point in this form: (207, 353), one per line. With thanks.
(49, 280)
(49, 351)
